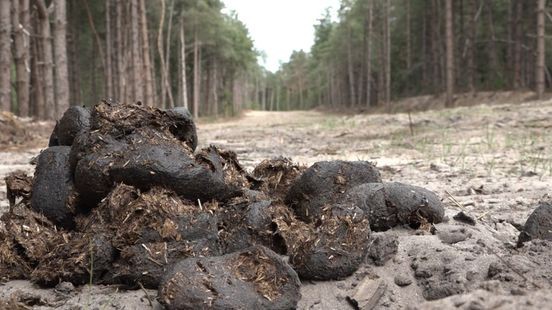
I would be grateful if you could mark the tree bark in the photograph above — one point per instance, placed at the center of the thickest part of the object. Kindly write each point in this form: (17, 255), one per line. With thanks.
(97, 39)
(22, 28)
(45, 33)
(36, 78)
(183, 81)
(168, 55)
(387, 55)
(121, 61)
(108, 49)
(408, 31)
(369, 54)
(60, 54)
(196, 75)
(450, 54)
(492, 49)
(472, 35)
(148, 79)
(5, 56)
(540, 61)
(352, 95)
(215, 88)
(137, 59)
(518, 37)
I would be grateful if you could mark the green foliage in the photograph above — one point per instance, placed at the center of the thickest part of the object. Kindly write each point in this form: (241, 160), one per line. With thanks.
(325, 68)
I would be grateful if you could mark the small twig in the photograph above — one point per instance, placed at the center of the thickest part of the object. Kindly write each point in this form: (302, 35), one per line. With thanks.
(483, 215)
(155, 262)
(146, 293)
(456, 202)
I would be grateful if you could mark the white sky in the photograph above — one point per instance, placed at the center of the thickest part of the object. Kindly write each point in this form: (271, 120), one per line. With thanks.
(279, 27)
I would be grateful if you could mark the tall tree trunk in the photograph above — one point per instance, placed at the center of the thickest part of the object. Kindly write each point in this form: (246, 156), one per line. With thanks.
(215, 88)
(73, 55)
(36, 77)
(492, 49)
(450, 54)
(540, 63)
(136, 57)
(183, 81)
(207, 89)
(168, 55)
(472, 35)
(22, 28)
(161, 55)
(408, 31)
(518, 38)
(48, 77)
(387, 55)
(97, 39)
(108, 48)
(5, 56)
(165, 86)
(148, 79)
(369, 54)
(121, 59)
(196, 75)
(352, 96)
(60, 54)
(263, 94)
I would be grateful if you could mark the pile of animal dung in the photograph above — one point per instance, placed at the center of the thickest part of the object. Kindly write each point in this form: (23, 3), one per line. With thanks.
(122, 196)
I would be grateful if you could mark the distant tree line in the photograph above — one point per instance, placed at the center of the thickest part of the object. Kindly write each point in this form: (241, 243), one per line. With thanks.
(56, 53)
(382, 50)
(193, 53)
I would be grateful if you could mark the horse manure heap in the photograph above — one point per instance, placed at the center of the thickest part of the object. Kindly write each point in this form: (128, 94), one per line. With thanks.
(121, 196)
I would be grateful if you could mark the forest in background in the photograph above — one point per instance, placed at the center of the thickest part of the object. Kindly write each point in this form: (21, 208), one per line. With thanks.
(194, 53)
(383, 50)
(163, 53)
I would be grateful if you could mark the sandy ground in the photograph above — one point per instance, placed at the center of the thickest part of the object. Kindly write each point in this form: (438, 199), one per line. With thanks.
(494, 160)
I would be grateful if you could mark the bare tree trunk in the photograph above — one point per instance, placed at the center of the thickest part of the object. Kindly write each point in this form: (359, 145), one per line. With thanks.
(97, 38)
(165, 87)
(161, 55)
(408, 31)
(387, 55)
(278, 108)
(540, 63)
(183, 81)
(36, 79)
(168, 55)
(207, 90)
(369, 54)
(60, 54)
(352, 97)
(48, 77)
(301, 90)
(215, 88)
(22, 28)
(148, 79)
(472, 34)
(450, 54)
(271, 99)
(5, 56)
(263, 95)
(518, 37)
(136, 59)
(121, 92)
(108, 48)
(196, 76)
(492, 48)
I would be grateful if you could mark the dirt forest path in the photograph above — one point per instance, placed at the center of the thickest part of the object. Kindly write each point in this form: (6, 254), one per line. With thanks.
(495, 161)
